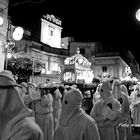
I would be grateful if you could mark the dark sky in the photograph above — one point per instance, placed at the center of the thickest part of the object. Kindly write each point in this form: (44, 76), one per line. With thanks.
(111, 22)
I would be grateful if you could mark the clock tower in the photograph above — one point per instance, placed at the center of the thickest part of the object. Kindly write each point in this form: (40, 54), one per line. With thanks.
(51, 31)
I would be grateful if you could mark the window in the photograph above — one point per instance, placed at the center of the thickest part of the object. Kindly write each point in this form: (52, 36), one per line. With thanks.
(82, 51)
(51, 32)
(104, 69)
(54, 66)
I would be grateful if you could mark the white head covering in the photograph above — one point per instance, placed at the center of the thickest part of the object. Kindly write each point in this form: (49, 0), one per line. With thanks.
(105, 93)
(9, 76)
(24, 84)
(72, 101)
(11, 104)
(96, 95)
(48, 99)
(136, 94)
(74, 86)
(116, 89)
(124, 89)
(57, 94)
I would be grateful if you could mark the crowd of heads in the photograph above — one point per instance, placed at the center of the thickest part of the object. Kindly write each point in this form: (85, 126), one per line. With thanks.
(57, 106)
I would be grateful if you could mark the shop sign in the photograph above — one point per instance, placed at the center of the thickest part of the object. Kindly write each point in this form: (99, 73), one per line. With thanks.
(52, 18)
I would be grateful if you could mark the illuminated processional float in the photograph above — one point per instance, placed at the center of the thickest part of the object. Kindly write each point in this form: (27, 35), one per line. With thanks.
(77, 70)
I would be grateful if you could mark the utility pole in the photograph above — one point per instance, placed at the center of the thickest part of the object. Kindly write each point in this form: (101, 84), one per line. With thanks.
(7, 43)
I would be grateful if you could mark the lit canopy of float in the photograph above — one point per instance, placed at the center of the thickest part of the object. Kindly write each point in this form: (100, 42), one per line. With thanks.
(77, 69)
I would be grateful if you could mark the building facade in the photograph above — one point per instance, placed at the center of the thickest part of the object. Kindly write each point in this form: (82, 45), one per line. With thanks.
(51, 60)
(107, 63)
(3, 30)
(47, 54)
(104, 64)
(50, 49)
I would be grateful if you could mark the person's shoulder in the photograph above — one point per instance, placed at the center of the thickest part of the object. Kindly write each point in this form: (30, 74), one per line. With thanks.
(30, 127)
(116, 103)
(89, 119)
(90, 122)
(124, 95)
(98, 102)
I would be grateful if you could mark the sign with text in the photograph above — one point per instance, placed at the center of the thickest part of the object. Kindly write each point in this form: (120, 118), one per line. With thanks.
(53, 19)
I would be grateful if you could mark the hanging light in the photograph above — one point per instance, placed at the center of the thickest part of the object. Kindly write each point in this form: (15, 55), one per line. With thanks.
(9, 55)
(18, 33)
(138, 15)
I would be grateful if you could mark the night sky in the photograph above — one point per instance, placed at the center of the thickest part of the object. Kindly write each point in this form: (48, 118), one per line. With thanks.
(111, 22)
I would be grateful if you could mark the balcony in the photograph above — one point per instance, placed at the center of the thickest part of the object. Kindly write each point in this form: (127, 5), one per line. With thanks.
(48, 49)
(105, 54)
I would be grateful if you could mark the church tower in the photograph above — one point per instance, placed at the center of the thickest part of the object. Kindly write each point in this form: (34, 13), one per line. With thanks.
(51, 31)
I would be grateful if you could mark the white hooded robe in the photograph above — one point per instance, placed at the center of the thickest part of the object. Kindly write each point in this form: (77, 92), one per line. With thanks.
(106, 113)
(16, 121)
(75, 124)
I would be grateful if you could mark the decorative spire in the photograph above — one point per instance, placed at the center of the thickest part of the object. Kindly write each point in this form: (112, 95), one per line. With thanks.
(78, 50)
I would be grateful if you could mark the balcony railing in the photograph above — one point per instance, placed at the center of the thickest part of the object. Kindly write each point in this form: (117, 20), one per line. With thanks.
(104, 54)
(48, 49)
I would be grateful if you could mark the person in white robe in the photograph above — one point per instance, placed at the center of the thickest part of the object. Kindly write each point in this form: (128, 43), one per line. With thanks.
(44, 116)
(135, 105)
(124, 89)
(122, 97)
(106, 112)
(17, 122)
(96, 96)
(74, 123)
(57, 107)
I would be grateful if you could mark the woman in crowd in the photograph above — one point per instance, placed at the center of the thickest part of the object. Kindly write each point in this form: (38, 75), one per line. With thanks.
(106, 112)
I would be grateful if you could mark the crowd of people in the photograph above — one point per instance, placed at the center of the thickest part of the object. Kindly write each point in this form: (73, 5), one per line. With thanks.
(50, 111)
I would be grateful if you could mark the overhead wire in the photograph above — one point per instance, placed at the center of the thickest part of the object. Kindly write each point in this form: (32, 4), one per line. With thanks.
(19, 3)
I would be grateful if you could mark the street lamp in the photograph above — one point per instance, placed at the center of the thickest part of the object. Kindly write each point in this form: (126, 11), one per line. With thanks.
(138, 14)
(16, 35)
(9, 55)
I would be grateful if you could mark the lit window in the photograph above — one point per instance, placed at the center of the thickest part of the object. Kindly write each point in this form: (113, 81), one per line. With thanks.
(54, 66)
